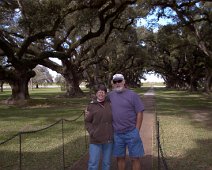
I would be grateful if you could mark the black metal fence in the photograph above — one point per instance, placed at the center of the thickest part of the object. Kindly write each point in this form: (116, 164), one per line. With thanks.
(54, 147)
(161, 162)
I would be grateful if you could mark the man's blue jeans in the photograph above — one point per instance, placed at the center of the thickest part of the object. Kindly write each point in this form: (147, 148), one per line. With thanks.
(95, 152)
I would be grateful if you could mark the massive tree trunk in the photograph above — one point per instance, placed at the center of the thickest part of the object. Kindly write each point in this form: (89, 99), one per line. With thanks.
(72, 88)
(20, 89)
(208, 64)
(1, 85)
(208, 80)
(170, 82)
(193, 84)
(19, 86)
(72, 85)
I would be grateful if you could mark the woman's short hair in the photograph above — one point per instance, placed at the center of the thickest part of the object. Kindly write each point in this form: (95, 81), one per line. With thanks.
(100, 87)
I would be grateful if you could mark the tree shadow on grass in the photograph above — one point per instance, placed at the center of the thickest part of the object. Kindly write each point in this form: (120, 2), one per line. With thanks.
(201, 118)
(199, 158)
(47, 157)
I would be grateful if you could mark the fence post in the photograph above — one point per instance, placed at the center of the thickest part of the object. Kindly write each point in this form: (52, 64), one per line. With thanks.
(20, 154)
(63, 145)
(86, 143)
(158, 143)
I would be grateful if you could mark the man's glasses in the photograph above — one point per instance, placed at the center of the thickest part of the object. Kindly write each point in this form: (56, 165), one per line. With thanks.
(117, 81)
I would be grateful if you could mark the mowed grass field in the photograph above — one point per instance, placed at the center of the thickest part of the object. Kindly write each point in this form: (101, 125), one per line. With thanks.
(43, 149)
(185, 129)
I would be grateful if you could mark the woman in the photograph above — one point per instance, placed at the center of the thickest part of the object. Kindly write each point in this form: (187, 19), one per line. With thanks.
(98, 122)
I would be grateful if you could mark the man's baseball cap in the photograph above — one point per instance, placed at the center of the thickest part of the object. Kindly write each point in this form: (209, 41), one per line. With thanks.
(118, 77)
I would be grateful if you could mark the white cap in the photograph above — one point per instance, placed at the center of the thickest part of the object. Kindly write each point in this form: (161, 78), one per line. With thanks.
(118, 77)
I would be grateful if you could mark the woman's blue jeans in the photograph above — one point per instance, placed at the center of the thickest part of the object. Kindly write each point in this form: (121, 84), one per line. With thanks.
(95, 152)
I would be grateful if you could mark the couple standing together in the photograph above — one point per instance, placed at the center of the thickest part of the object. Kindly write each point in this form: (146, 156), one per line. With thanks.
(113, 124)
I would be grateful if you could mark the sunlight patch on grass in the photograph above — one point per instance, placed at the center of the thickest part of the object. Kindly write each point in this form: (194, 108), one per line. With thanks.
(184, 138)
(176, 133)
(43, 149)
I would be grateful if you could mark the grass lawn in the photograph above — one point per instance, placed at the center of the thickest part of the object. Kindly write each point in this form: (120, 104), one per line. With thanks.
(185, 129)
(43, 149)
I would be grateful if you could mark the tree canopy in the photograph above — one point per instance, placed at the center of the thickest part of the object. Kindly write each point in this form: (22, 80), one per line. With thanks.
(95, 39)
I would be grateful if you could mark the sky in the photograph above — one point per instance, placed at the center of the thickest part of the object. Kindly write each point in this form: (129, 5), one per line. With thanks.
(149, 77)
(54, 73)
(152, 78)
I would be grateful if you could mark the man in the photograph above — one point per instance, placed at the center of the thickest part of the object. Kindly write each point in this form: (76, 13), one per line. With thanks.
(127, 111)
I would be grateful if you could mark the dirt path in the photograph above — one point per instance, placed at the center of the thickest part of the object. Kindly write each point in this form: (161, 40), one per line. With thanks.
(146, 135)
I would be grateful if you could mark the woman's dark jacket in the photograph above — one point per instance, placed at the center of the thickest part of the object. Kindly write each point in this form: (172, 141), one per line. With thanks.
(98, 122)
